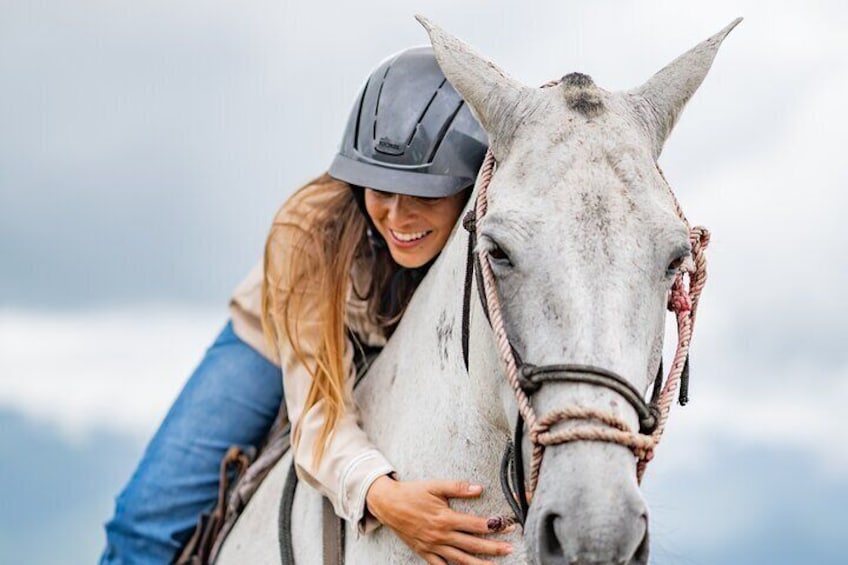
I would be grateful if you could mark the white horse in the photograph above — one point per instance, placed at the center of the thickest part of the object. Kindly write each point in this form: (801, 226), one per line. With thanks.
(585, 242)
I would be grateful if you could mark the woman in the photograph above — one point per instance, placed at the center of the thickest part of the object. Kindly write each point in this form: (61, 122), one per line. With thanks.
(341, 263)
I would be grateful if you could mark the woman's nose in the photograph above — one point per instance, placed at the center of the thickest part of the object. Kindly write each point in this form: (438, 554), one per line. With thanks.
(399, 207)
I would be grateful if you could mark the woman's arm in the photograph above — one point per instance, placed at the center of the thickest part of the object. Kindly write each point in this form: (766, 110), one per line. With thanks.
(350, 462)
(352, 467)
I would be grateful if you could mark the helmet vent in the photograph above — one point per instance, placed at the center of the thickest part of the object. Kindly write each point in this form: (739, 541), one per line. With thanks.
(377, 104)
(359, 108)
(441, 136)
(424, 112)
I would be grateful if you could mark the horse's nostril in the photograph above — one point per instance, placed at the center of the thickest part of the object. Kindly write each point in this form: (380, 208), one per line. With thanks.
(643, 551)
(559, 540)
(550, 544)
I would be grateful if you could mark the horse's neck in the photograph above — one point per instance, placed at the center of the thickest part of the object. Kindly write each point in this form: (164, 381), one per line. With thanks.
(418, 403)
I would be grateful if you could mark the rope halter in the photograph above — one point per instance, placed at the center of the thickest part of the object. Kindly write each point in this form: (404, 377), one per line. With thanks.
(595, 425)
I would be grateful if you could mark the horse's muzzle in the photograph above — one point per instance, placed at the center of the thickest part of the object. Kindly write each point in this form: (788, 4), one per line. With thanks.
(587, 514)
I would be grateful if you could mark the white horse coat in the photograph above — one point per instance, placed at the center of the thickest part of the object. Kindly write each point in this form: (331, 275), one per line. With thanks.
(590, 230)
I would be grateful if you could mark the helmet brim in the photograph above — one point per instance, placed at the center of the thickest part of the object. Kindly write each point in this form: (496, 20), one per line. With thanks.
(397, 181)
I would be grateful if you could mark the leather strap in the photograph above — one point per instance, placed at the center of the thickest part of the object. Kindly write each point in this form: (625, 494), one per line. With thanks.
(518, 469)
(508, 487)
(285, 519)
(333, 535)
(532, 378)
(472, 270)
(468, 224)
(333, 527)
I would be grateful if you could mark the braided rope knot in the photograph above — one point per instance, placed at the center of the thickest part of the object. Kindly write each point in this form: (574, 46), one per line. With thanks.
(679, 300)
(700, 237)
(469, 221)
(607, 427)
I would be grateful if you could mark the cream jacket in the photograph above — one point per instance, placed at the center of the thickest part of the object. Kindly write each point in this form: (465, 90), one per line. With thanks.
(350, 462)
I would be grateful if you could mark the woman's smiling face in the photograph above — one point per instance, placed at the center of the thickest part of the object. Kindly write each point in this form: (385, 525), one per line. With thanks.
(415, 229)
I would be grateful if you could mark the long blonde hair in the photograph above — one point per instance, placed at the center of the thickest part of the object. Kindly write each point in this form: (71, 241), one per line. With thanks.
(324, 255)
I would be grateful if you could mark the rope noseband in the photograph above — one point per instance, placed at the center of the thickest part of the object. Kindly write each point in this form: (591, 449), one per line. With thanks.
(526, 379)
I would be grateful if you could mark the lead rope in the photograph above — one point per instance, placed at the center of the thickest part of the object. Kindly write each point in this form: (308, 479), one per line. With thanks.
(683, 301)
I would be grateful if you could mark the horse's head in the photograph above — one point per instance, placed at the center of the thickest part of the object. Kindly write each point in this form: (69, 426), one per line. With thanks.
(585, 242)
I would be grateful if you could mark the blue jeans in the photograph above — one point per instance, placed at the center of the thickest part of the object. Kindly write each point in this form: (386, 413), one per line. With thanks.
(231, 399)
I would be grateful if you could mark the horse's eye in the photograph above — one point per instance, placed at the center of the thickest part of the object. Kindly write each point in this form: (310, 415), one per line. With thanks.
(675, 265)
(678, 265)
(499, 256)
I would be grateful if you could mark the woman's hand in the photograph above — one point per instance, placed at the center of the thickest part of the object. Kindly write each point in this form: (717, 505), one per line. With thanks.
(419, 513)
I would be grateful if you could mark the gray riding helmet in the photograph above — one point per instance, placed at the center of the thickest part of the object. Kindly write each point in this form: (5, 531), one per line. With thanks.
(410, 132)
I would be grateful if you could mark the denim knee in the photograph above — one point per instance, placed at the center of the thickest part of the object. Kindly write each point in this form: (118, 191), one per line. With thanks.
(232, 398)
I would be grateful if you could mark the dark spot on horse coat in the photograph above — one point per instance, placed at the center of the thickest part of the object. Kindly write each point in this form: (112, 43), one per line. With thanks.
(549, 310)
(578, 80)
(444, 334)
(582, 95)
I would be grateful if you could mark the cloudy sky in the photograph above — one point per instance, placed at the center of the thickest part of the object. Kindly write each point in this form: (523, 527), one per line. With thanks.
(144, 148)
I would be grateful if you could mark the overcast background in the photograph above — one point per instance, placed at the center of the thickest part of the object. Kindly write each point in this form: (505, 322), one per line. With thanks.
(144, 147)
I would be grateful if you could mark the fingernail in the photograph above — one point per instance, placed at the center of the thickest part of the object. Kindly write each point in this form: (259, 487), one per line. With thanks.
(507, 549)
(499, 523)
(474, 488)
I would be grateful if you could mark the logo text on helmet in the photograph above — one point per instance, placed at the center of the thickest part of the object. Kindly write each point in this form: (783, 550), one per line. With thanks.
(389, 147)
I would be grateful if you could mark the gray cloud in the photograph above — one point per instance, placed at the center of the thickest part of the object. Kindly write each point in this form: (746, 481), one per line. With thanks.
(143, 149)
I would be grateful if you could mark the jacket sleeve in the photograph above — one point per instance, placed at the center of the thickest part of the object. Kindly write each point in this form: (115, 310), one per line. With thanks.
(246, 314)
(351, 463)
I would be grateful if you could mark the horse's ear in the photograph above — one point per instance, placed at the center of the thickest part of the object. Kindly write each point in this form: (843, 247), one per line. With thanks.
(491, 94)
(659, 101)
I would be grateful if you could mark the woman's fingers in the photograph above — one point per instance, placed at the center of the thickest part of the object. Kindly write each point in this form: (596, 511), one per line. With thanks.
(454, 489)
(472, 524)
(433, 559)
(454, 555)
(474, 544)
(468, 523)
